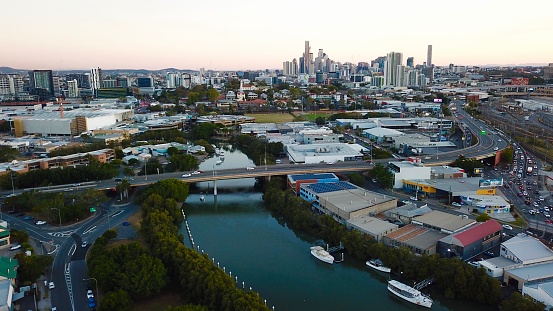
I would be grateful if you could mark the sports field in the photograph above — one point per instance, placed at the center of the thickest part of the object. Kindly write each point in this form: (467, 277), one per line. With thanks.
(272, 117)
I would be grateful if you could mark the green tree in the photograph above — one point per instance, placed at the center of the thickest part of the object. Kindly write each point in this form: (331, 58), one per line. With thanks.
(517, 302)
(172, 150)
(193, 97)
(357, 179)
(212, 94)
(127, 171)
(8, 154)
(320, 121)
(204, 130)
(483, 217)
(118, 300)
(31, 267)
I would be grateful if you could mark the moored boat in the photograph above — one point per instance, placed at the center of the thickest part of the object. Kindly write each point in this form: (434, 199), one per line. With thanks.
(321, 254)
(378, 265)
(408, 293)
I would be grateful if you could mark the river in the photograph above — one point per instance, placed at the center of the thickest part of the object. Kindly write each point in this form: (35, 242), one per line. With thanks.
(244, 238)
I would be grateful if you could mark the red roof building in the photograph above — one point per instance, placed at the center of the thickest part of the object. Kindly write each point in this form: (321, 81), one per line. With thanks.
(472, 241)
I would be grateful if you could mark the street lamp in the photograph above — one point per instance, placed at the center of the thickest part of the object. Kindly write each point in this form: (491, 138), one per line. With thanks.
(59, 213)
(97, 290)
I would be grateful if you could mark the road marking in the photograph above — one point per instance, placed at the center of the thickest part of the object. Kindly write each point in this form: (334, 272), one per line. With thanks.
(73, 249)
(89, 230)
(63, 234)
(68, 283)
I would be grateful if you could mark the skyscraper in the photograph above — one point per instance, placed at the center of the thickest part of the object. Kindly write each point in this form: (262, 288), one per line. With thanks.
(393, 59)
(95, 78)
(410, 61)
(11, 84)
(307, 57)
(41, 83)
(429, 56)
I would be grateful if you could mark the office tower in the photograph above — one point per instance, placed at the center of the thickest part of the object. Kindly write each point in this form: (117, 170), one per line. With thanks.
(41, 83)
(96, 78)
(145, 82)
(410, 62)
(393, 59)
(72, 88)
(307, 57)
(548, 72)
(429, 56)
(171, 79)
(83, 80)
(11, 84)
(123, 82)
(186, 80)
(294, 67)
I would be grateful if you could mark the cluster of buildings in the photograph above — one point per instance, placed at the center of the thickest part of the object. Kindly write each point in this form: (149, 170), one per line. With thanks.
(522, 260)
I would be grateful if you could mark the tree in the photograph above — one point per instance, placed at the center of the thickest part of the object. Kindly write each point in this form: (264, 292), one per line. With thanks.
(118, 300)
(127, 171)
(356, 179)
(193, 97)
(483, 217)
(187, 308)
(8, 154)
(123, 188)
(212, 94)
(204, 130)
(172, 150)
(320, 121)
(31, 267)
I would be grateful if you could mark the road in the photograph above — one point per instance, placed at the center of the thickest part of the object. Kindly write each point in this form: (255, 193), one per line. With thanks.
(69, 267)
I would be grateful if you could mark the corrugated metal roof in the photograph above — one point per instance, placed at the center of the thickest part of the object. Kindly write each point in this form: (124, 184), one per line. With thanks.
(527, 248)
(478, 232)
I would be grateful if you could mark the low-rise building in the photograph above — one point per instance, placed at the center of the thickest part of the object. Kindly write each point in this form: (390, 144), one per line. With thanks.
(418, 239)
(372, 226)
(343, 200)
(296, 180)
(405, 170)
(317, 153)
(471, 241)
(407, 212)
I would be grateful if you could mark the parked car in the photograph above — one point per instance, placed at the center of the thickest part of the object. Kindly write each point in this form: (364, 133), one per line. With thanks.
(249, 168)
(508, 227)
(489, 253)
(14, 247)
(84, 244)
(89, 294)
(125, 223)
(456, 204)
(51, 285)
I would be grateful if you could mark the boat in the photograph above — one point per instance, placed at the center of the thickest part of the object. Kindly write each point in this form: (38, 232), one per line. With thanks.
(217, 151)
(222, 153)
(321, 254)
(378, 265)
(218, 162)
(202, 198)
(410, 294)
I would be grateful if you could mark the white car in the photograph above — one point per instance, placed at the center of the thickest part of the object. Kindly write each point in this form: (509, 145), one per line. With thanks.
(495, 148)
(186, 175)
(51, 285)
(507, 227)
(84, 244)
(14, 247)
(89, 294)
(456, 204)
(40, 222)
(413, 198)
(195, 172)
(249, 168)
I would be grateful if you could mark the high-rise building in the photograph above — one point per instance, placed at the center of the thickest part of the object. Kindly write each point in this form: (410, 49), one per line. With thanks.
(393, 59)
(145, 82)
(548, 72)
(307, 58)
(11, 84)
(72, 88)
(172, 80)
(429, 56)
(123, 82)
(290, 68)
(96, 78)
(410, 62)
(83, 80)
(41, 83)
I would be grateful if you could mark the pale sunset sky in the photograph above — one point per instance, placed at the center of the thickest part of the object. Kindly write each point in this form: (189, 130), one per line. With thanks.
(248, 34)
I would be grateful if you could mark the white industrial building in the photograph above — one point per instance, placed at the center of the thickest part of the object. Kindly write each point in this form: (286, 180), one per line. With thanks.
(408, 170)
(329, 153)
(72, 122)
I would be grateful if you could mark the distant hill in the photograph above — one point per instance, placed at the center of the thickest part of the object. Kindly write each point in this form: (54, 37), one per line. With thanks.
(9, 70)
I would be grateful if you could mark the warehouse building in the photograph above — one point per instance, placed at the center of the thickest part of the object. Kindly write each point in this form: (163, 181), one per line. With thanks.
(344, 201)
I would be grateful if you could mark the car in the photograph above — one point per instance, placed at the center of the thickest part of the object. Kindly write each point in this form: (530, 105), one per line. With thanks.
(532, 212)
(536, 204)
(125, 223)
(456, 204)
(507, 227)
(507, 186)
(40, 222)
(186, 175)
(84, 244)
(91, 303)
(195, 172)
(374, 180)
(54, 309)
(541, 198)
(278, 161)
(27, 218)
(537, 192)
(473, 263)
(14, 247)
(89, 294)
(329, 163)
(535, 166)
(250, 168)
(548, 221)
(520, 194)
(546, 214)
(535, 174)
(489, 253)
(495, 148)
(51, 285)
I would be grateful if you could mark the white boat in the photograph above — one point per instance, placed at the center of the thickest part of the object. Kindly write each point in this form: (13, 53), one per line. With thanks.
(202, 198)
(378, 265)
(222, 153)
(321, 254)
(410, 294)
(217, 151)
(218, 162)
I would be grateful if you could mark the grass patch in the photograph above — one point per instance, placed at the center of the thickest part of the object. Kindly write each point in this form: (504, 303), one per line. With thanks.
(272, 117)
(160, 302)
(314, 115)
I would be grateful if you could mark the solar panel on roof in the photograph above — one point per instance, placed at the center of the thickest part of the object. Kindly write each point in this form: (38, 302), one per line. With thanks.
(331, 187)
(312, 176)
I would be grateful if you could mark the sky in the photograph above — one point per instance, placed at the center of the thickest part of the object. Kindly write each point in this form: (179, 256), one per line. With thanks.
(249, 35)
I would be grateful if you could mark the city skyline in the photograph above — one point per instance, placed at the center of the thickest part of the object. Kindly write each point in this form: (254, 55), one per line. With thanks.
(243, 36)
